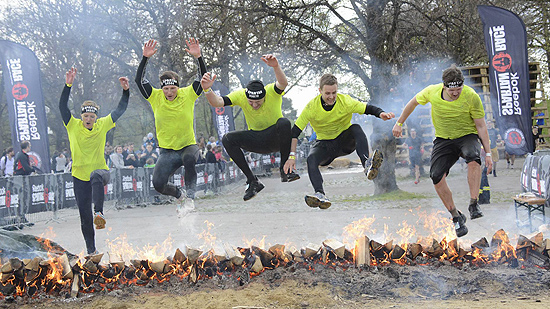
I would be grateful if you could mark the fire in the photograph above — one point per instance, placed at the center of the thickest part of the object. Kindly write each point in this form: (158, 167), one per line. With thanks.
(61, 274)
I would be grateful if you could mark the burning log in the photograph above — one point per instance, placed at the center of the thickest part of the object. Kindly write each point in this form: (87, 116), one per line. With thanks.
(481, 244)
(218, 253)
(193, 255)
(179, 257)
(67, 272)
(267, 259)
(75, 286)
(5, 277)
(159, 267)
(90, 266)
(280, 253)
(499, 238)
(337, 247)
(6, 268)
(377, 249)
(311, 250)
(413, 250)
(435, 249)
(397, 253)
(257, 266)
(294, 253)
(95, 258)
(362, 251)
(233, 255)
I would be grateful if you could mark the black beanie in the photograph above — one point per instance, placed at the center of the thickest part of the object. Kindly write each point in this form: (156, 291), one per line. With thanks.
(255, 90)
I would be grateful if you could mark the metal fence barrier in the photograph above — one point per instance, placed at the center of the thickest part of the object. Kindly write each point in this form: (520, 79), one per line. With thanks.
(28, 199)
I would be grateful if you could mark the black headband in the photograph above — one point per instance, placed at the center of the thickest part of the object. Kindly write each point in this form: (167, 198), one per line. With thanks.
(169, 82)
(454, 84)
(89, 109)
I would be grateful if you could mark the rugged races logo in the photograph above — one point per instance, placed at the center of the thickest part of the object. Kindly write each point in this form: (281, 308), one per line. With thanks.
(507, 81)
(514, 138)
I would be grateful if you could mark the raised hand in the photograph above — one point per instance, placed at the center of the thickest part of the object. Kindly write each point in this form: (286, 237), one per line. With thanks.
(193, 47)
(124, 83)
(150, 48)
(270, 60)
(70, 75)
(207, 80)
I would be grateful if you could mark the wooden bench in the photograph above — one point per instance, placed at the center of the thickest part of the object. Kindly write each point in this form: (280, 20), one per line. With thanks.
(532, 204)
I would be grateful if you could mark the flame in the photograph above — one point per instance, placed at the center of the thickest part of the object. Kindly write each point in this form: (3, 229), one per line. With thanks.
(207, 236)
(120, 248)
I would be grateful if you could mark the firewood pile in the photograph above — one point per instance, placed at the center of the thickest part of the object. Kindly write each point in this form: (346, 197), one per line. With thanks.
(67, 276)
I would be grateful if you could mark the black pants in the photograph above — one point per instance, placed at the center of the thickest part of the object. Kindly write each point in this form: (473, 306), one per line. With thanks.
(169, 161)
(273, 139)
(447, 151)
(323, 152)
(86, 193)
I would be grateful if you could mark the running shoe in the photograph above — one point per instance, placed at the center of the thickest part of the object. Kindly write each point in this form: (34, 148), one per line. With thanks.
(318, 200)
(373, 164)
(99, 221)
(186, 206)
(290, 177)
(252, 189)
(460, 225)
(475, 211)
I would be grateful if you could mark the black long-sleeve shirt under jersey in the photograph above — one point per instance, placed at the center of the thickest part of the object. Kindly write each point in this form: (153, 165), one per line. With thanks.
(115, 115)
(369, 110)
(145, 87)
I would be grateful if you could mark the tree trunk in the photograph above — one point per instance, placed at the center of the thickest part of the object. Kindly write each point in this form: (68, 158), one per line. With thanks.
(383, 140)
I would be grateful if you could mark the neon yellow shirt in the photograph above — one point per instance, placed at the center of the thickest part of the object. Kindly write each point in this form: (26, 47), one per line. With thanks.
(452, 119)
(174, 119)
(329, 124)
(88, 146)
(265, 116)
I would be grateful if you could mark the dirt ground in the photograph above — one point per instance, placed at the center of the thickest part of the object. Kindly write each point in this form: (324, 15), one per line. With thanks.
(278, 215)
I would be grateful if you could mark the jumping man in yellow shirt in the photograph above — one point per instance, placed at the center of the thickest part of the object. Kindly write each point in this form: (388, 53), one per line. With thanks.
(330, 114)
(173, 108)
(268, 131)
(458, 119)
(89, 169)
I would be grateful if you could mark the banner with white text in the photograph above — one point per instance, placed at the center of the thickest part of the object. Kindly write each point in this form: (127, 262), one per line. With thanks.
(506, 44)
(223, 116)
(21, 74)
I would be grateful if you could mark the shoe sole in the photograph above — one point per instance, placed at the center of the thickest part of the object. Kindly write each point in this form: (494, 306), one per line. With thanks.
(290, 179)
(259, 189)
(314, 202)
(377, 159)
(476, 215)
(99, 223)
(464, 232)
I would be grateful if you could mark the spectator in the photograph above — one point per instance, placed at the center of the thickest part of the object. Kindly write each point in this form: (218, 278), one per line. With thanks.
(130, 157)
(148, 153)
(219, 157)
(540, 123)
(117, 160)
(6, 163)
(60, 163)
(108, 152)
(22, 163)
(150, 162)
(202, 151)
(212, 141)
(150, 139)
(414, 144)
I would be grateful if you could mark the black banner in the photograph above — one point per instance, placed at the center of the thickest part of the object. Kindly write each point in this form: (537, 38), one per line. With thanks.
(21, 73)
(506, 44)
(223, 116)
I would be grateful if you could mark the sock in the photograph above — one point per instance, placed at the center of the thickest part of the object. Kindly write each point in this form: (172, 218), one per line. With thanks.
(454, 212)
(473, 201)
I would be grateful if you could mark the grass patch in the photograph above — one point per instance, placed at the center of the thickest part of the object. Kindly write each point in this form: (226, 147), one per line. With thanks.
(390, 196)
